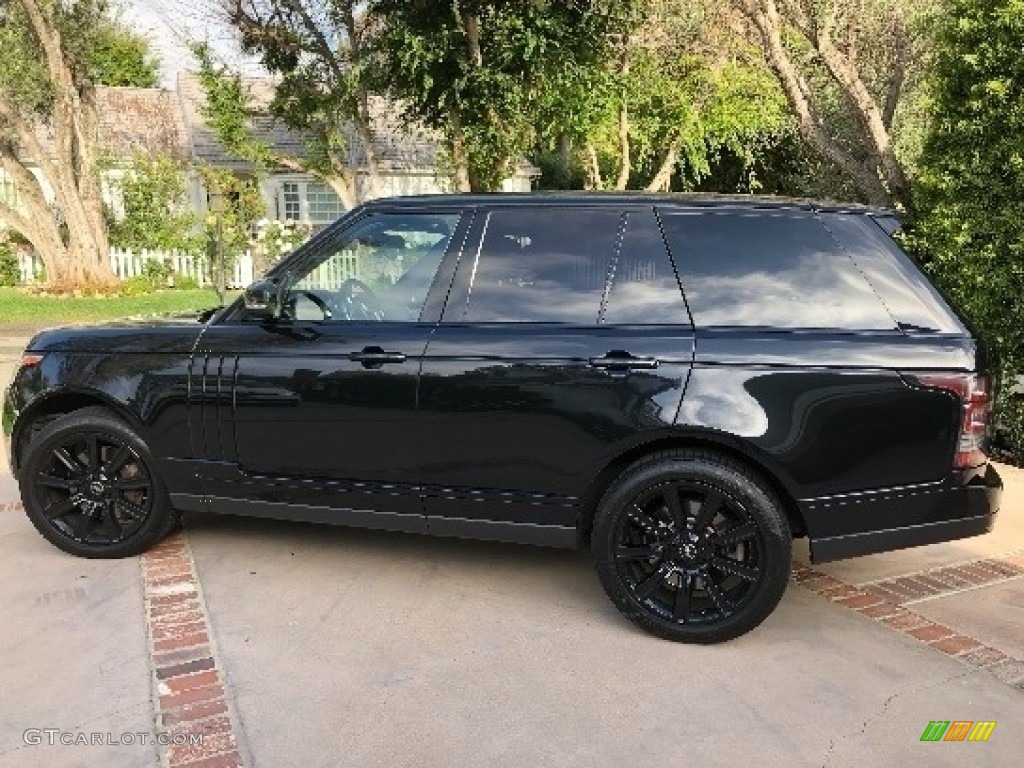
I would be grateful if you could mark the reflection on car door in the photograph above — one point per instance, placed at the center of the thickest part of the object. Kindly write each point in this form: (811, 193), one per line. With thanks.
(566, 338)
(322, 409)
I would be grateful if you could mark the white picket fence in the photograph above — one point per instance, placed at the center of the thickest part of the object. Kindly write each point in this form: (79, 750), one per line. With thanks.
(127, 264)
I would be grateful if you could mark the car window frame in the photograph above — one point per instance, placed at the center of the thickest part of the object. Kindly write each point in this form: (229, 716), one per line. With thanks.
(461, 291)
(437, 294)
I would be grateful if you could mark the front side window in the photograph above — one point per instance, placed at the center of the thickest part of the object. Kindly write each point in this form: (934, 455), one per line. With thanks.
(766, 268)
(546, 265)
(378, 269)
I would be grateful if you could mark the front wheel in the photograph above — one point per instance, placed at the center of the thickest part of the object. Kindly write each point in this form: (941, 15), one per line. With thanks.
(692, 546)
(90, 487)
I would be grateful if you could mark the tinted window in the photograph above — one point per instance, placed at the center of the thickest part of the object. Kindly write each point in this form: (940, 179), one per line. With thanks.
(644, 288)
(762, 268)
(539, 265)
(379, 268)
(907, 294)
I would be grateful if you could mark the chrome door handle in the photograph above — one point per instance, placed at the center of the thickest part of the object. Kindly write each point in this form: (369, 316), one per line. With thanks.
(623, 361)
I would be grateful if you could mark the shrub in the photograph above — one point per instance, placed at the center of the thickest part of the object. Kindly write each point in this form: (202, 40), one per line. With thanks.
(156, 273)
(136, 286)
(10, 275)
(185, 283)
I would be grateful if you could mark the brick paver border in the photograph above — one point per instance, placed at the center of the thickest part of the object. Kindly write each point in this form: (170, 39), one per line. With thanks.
(886, 602)
(189, 693)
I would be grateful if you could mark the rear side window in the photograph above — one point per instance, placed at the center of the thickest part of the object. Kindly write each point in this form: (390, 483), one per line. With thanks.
(544, 265)
(764, 268)
(644, 289)
(907, 294)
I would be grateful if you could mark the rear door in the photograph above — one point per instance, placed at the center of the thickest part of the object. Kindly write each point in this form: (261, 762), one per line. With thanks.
(565, 339)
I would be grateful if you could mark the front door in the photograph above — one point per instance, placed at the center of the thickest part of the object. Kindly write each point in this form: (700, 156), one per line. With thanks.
(323, 400)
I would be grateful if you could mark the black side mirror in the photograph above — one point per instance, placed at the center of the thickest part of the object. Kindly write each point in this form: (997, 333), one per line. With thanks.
(263, 299)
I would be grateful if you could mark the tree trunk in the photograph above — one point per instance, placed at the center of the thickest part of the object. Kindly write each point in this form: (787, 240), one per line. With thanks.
(593, 168)
(459, 155)
(625, 163)
(764, 14)
(80, 259)
(663, 178)
(846, 75)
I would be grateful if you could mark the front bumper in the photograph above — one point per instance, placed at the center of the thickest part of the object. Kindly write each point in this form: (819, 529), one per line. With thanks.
(909, 517)
(10, 415)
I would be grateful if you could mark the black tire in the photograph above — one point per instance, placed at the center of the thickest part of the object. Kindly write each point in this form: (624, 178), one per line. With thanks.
(90, 487)
(692, 546)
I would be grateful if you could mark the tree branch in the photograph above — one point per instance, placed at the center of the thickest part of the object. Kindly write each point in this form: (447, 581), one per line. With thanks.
(764, 14)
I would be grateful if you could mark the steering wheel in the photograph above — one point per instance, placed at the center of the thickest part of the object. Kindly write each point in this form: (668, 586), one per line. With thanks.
(357, 301)
(319, 301)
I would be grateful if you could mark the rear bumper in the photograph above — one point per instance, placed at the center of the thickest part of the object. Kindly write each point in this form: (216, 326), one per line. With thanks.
(880, 521)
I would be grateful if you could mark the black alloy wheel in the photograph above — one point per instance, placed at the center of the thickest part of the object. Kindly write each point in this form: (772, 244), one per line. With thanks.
(692, 546)
(89, 487)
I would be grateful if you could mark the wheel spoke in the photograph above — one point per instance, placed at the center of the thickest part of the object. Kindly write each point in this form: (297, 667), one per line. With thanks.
(743, 532)
(134, 510)
(735, 567)
(643, 520)
(645, 588)
(51, 481)
(69, 461)
(715, 592)
(628, 553)
(92, 442)
(140, 483)
(681, 607)
(708, 509)
(115, 462)
(78, 525)
(59, 508)
(675, 507)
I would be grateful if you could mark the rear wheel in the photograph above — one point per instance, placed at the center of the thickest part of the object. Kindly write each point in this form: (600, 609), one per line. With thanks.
(692, 546)
(90, 487)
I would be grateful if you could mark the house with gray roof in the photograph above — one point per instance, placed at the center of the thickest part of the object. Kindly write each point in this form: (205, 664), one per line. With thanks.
(408, 158)
(170, 122)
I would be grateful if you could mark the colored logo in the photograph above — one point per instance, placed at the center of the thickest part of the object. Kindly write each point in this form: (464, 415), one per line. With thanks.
(958, 730)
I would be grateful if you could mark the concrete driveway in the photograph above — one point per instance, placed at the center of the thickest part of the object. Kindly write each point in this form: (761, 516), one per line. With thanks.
(288, 644)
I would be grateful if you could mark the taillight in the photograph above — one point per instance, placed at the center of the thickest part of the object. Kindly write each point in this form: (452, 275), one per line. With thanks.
(975, 393)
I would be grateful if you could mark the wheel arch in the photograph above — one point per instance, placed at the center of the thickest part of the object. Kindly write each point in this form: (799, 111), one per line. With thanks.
(51, 405)
(722, 443)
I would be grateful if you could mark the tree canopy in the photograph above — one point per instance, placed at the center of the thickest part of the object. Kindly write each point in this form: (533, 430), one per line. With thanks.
(972, 177)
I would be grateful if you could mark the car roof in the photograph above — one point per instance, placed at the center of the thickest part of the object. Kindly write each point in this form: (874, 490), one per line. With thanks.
(631, 198)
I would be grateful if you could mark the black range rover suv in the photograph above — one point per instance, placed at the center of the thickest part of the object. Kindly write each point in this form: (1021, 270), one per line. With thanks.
(683, 384)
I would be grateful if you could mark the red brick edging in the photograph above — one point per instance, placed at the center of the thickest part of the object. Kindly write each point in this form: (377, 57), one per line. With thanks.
(885, 602)
(188, 682)
(11, 506)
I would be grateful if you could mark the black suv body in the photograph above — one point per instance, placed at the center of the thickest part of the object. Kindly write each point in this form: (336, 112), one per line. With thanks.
(684, 383)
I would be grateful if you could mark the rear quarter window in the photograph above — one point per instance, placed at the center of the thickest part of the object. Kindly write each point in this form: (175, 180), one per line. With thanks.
(769, 269)
(894, 276)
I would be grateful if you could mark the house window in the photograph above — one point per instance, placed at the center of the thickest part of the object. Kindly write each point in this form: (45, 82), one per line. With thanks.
(8, 192)
(322, 203)
(291, 201)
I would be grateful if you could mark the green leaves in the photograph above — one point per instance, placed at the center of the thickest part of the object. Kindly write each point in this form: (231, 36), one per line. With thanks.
(156, 211)
(972, 175)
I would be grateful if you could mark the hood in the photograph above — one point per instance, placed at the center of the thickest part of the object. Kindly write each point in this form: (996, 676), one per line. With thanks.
(155, 335)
